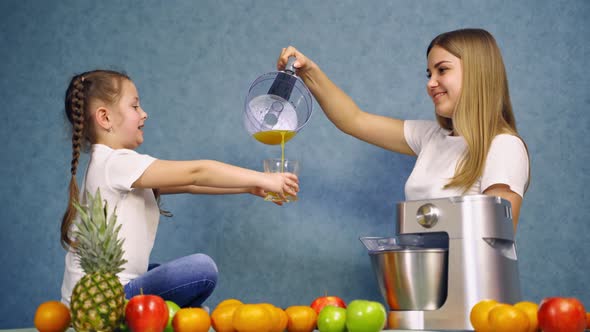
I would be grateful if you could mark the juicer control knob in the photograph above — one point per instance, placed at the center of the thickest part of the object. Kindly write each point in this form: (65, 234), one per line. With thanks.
(427, 215)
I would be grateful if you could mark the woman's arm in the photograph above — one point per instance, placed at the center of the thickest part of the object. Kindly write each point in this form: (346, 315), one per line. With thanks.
(503, 190)
(381, 131)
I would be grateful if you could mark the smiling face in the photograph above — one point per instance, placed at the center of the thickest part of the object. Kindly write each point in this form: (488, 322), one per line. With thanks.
(445, 75)
(128, 119)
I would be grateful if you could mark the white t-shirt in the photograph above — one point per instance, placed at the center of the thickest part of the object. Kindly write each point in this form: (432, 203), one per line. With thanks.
(438, 154)
(114, 171)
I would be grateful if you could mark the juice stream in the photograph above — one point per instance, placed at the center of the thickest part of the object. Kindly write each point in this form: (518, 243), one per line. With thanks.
(275, 137)
(282, 151)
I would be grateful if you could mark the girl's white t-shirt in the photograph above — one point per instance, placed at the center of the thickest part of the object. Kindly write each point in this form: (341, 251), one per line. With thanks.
(114, 171)
(438, 154)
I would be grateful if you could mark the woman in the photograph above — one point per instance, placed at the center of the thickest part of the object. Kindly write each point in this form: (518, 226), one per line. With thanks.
(472, 148)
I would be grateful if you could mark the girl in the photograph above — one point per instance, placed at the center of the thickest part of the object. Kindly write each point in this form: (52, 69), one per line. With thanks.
(104, 110)
(473, 149)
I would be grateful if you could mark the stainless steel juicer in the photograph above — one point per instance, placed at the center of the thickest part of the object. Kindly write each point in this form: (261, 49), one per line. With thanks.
(448, 254)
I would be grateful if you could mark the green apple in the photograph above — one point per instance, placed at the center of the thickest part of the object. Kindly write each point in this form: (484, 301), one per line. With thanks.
(172, 309)
(332, 319)
(365, 316)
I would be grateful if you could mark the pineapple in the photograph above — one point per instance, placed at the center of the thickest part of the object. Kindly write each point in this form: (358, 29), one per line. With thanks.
(98, 299)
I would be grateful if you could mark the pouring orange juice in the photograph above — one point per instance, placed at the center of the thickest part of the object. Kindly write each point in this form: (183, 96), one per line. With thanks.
(278, 105)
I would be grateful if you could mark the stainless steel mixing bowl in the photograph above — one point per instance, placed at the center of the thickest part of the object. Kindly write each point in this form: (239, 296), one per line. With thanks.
(412, 279)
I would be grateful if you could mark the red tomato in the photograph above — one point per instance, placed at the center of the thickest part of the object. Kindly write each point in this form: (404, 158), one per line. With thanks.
(146, 313)
(560, 314)
(319, 303)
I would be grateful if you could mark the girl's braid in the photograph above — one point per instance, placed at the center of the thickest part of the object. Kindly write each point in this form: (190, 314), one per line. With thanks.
(75, 103)
(77, 118)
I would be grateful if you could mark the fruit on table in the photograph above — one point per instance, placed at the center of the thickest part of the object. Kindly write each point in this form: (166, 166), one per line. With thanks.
(98, 299)
(252, 318)
(172, 310)
(301, 318)
(319, 303)
(332, 319)
(530, 309)
(278, 317)
(283, 320)
(365, 316)
(560, 314)
(191, 320)
(222, 317)
(479, 315)
(146, 313)
(52, 316)
(229, 301)
(508, 318)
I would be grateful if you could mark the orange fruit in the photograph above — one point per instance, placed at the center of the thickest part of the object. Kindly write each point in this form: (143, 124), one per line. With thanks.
(301, 318)
(252, 318)
(530, 309)
(479, 315)
(52, 316)
(283, 320)
(588, 320)
(508, 318)
(222, 317)
(274, 315)
(191, 320)
(229, 301)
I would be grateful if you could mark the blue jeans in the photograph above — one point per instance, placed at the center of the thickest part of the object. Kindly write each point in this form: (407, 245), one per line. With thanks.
(187, 281)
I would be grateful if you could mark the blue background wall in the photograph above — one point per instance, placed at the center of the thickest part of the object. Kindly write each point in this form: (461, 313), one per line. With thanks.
(193, 62)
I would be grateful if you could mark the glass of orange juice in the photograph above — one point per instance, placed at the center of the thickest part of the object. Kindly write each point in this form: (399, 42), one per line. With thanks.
(278, 165)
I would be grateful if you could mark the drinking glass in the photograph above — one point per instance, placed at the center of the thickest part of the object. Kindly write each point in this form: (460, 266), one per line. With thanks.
(280, 166)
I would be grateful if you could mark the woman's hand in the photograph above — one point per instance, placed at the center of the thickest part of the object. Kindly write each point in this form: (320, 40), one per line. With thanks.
(302, 64)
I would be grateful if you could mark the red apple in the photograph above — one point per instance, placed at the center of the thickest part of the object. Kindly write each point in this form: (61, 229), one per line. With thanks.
(146, 313)
(560, 314)
(319, 303)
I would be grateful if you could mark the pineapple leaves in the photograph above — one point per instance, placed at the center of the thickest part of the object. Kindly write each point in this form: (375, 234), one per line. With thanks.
(98, 247)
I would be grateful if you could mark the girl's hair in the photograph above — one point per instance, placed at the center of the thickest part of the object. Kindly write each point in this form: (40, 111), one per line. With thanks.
(102, 85)
(484, 109)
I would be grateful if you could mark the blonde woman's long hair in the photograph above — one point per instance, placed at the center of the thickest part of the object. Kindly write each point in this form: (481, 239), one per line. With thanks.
(484, 109)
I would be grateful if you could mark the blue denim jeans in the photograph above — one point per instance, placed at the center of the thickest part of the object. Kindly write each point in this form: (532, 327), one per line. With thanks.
(187, 281)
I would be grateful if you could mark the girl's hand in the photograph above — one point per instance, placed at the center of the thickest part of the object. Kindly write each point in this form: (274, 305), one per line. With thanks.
(302, 64)
(283, 184)
(257, 191)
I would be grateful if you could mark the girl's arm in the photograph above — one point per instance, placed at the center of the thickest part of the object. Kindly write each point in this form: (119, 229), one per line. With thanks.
(381, 131)
(256, 191)
(203, 190)
(198, 175)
